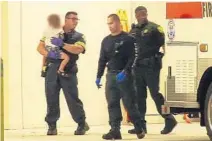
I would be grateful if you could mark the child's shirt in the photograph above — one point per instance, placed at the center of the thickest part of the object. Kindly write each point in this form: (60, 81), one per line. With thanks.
(48, 34)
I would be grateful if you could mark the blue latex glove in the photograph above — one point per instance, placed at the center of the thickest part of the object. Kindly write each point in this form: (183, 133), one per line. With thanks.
(57, 41)
(53, 55)
(121, 76)
(98, 80)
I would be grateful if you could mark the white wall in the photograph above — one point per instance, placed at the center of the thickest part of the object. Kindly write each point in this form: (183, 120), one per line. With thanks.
(14, 64)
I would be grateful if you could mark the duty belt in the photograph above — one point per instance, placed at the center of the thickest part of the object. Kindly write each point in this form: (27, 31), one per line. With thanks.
(146, 61)
(114, 71)
(151, 60)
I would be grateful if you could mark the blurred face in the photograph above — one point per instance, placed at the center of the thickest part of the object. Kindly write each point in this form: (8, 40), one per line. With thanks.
(141, 16)
(71, 21)
(114, 26)
(54, 21)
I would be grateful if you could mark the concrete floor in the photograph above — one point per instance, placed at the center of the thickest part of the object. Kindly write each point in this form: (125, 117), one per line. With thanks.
(183, 132)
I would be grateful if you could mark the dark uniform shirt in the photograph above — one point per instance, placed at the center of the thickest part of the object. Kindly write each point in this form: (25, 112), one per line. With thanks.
(77, 39)
(72, 37)
(117, 52)
(149, 39)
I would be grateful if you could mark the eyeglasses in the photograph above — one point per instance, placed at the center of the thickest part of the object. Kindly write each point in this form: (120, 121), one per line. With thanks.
(74, 19)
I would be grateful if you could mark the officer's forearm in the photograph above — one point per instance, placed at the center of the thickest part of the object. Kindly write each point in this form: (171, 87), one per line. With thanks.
(100, 71)
(75, 49)
(101, 67)
(41, 49)
(129, 64)
(44, 61)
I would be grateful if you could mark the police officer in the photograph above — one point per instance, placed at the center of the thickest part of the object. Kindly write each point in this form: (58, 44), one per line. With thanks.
(73, 44)
(149, 38)
(117, 52)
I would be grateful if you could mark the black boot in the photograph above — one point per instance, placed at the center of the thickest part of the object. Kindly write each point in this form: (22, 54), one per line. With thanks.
(140, 134)
(82, 128)
(52, 130)
(113, 134)
(170, 123)
(139, 130)
(133, 131)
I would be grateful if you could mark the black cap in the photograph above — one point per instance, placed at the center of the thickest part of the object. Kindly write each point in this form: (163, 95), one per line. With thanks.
(139, 8)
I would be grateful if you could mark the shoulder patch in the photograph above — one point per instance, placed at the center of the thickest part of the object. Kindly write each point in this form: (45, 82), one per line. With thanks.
(43, 39)
(160, 29)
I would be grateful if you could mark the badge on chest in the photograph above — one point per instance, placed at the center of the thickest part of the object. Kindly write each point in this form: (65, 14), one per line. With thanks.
(118, 45)
(144, 32)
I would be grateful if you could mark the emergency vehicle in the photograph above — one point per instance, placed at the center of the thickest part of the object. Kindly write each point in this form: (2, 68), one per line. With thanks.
(189, 79)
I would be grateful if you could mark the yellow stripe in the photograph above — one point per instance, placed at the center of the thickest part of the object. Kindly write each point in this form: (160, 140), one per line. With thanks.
(80, 43)
(43, 39)
(4, 39)
(160, 29)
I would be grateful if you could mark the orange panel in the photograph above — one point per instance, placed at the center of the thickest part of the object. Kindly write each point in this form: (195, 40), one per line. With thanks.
(180, 10)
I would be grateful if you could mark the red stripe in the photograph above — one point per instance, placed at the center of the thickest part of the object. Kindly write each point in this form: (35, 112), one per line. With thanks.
(180, 10)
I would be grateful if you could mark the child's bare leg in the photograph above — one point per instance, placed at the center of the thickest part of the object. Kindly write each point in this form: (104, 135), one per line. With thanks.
(186, 118)
(66, 59)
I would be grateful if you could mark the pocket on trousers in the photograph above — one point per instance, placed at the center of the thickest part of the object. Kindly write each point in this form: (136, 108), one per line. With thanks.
(51, 74)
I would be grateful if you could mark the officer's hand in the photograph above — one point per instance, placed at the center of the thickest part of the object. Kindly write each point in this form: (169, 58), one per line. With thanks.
(98, 83)
(57, 41)
(53, 55)
(121, 76)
